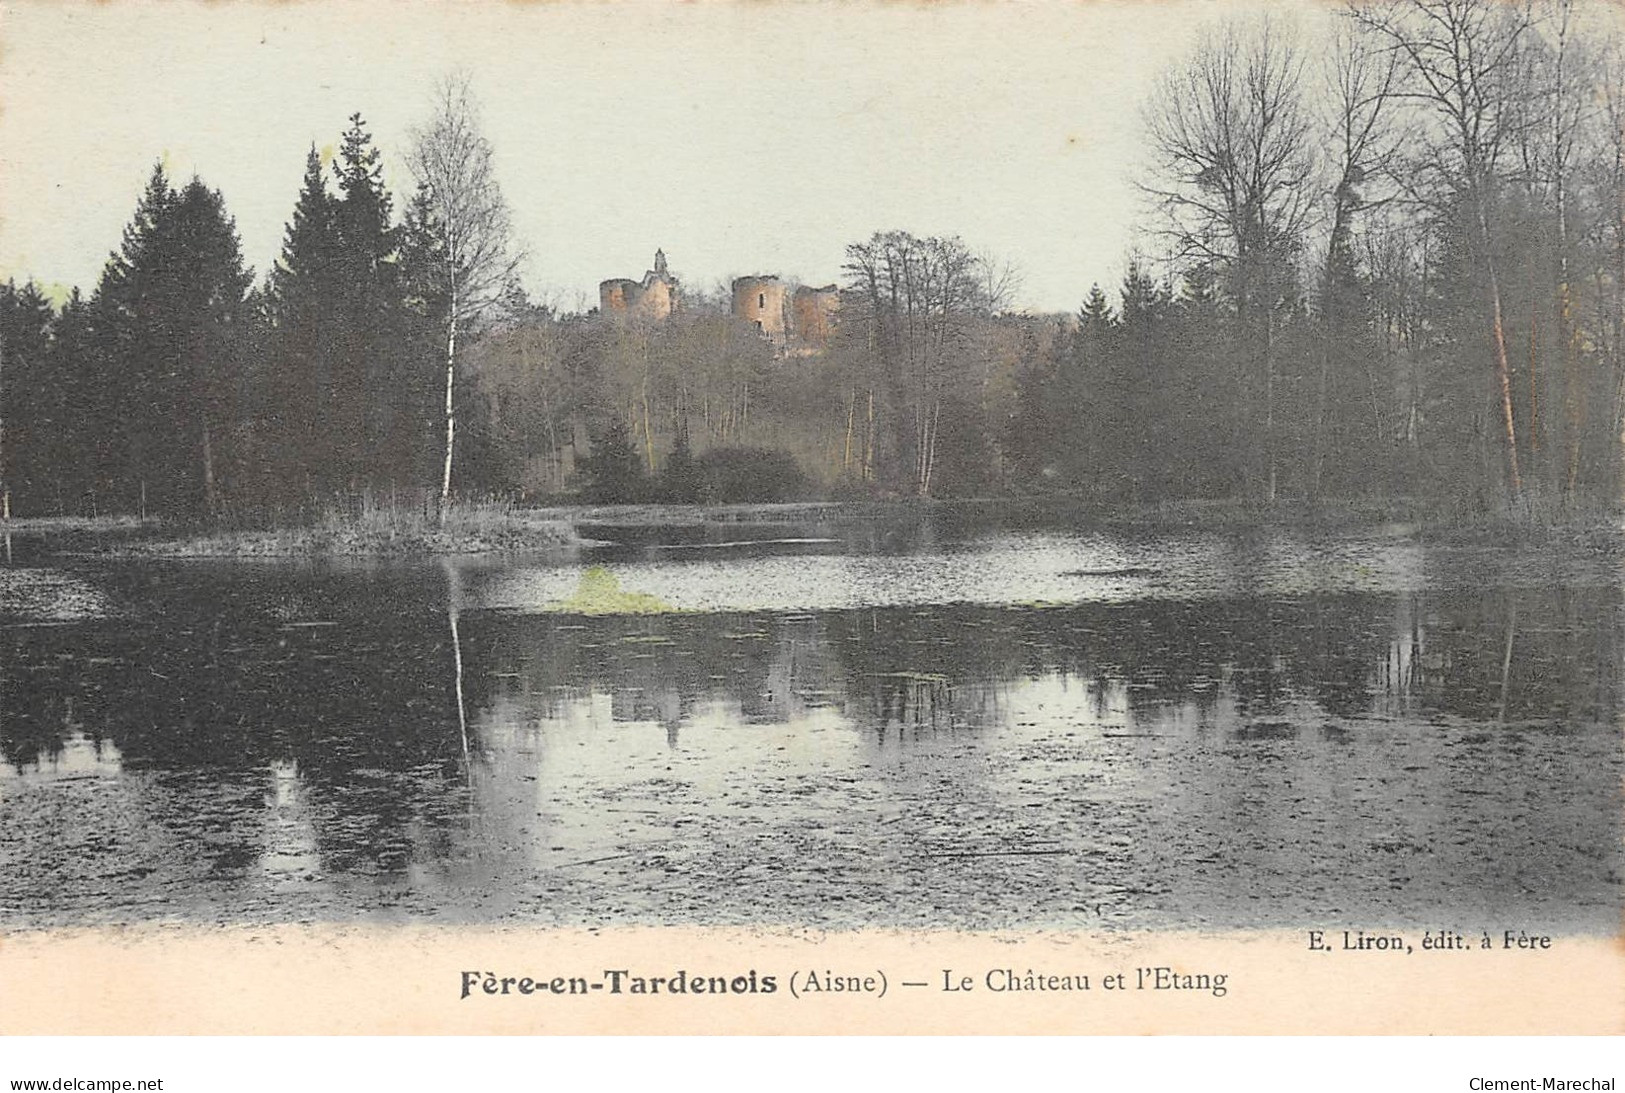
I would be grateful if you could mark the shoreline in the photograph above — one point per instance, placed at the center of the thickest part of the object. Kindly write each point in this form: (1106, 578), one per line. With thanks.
(497, 529)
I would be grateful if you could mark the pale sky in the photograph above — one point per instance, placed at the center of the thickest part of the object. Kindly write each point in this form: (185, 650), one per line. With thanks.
(740, 137)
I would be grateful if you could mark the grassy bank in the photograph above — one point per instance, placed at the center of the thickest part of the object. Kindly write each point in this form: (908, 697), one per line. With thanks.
(380, 531)
(385, 528)
(86, 524)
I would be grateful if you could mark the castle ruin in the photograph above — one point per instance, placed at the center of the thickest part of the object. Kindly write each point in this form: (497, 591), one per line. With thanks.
(796, 320)
(761, 301)
(812, 313)
(651, 300)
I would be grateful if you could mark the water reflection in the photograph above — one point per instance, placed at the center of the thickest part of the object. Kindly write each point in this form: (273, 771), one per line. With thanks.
(267, 747)
(454, 606)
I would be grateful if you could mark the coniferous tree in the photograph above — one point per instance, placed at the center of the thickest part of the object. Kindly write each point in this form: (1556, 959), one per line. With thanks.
(368, 380)
(348, 316)
(30, 416)
(1137, 385)
(300, 416)
(131, 346)
(212, 320)
(259, 465)
(78, 438)
(1058, 437)
(1084, 390)
(1095, 315)
(614, 473)
(168, 332)
(1210, 447)
(680, 478)
(1039, 430)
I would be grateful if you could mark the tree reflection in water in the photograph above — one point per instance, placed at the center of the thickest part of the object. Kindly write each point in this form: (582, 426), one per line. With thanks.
(260, 741)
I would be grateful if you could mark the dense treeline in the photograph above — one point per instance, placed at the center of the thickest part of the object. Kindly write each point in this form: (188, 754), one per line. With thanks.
(124, 400)
(1397, 264)
(1388, 263)
(179, 388)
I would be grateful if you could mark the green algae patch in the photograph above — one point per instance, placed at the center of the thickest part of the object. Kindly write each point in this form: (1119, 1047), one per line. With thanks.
(600, 593)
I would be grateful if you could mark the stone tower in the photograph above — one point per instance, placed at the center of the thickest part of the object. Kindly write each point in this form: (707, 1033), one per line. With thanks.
(760, 301)
(812, 315)
(651, 300)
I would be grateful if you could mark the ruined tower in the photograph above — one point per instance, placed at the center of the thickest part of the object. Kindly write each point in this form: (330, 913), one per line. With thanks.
(651, 300)
(796, 318)
(812, 315)
(760, 300)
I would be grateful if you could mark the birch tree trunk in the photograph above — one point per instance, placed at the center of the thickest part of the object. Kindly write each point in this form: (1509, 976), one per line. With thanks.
(466, 226)
(851, 413)
(869, 440)
(1503, 374)
(1460, 54)
(451, 412)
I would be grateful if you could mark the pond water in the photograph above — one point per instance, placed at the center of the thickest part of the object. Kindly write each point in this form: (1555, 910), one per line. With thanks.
(923, 722)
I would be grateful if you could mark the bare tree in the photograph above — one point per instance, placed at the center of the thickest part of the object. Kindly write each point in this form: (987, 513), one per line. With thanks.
(1550, 105)
(1608, 269)
(916, 297)
(1233, 178)
(474, 257)
(522, 372)
(1362, 130)
(1001, 280)
(1396, 258)
(1572, 71)
(1461, 59)
(1361, 138)
(1232, 144)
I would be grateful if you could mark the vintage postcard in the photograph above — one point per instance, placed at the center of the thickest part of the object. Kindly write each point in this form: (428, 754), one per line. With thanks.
(1073, 518)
